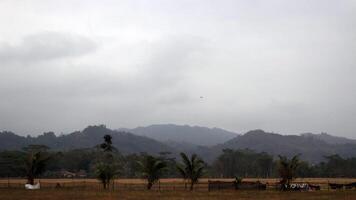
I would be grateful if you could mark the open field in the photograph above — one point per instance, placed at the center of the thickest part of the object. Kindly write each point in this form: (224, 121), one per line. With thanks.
(72, 194)
(164, 184)
(90, 189)
(178, 180)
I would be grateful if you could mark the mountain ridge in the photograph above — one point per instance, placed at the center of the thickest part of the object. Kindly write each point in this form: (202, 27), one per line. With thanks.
(311, 147)
(87, 138)
(330, 138)
(196, 135)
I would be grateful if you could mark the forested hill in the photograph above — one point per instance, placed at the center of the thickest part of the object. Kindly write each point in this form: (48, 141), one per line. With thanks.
(329, 138)
(195, 135)
(311, 148)
(89, 137)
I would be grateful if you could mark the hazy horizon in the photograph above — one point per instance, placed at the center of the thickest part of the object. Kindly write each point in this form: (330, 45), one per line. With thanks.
(189, 125)
(282, 66)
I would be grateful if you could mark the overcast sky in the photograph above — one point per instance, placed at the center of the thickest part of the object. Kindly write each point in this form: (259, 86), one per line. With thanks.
(282, 66)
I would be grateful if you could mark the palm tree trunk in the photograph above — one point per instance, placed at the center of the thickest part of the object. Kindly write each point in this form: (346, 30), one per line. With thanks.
(191, 186)
(30, 180)
(149, 185)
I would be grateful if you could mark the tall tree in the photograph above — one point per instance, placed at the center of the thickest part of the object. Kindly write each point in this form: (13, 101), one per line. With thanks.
(105, 172)
(151, 169)
(191, 169)
(287, 169)
(243, 163)
(35, 162)
(106, 168)
(171, 165)
(130, 166)
(226, 164)
(107, 145)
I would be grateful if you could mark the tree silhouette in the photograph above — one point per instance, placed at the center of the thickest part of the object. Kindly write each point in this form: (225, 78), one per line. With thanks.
(151, 169)
(107, 145)
(191, 169)
(106, 169)
(35, 162)
(105, 172)
(287, 169)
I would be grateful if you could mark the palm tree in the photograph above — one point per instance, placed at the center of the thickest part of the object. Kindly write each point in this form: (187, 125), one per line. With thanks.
(151, 169)
(191, 169)
(35, 162)
(105, 172)
(287, 169)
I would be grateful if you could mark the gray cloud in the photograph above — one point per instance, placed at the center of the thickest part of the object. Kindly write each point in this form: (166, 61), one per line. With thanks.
(45, 46)
(286, 67)
(162, 79)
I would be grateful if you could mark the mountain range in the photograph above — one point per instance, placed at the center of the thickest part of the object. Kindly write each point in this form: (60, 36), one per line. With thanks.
(194, 135)
(206, 142)
(329, 138)
(311, 148)
(89, 137)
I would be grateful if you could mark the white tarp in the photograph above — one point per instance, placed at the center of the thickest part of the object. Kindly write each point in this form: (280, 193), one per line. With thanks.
(33, 187)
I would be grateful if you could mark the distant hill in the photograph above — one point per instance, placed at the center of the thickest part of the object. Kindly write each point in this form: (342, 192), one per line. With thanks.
(195, 135)
(89, 137)
(10, 141)
(312, 149)
(199, 140)
(330, 139)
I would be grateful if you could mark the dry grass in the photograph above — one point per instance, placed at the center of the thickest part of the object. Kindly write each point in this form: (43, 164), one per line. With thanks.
(131, 189)
(178, 180)
(71, 194)
(164, 185)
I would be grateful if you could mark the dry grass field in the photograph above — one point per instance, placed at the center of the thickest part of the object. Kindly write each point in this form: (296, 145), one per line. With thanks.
(72, 194)
(165, 184)
(178, 180)
(132, 189)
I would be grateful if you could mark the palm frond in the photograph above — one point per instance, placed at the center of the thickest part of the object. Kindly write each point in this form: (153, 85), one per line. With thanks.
(186, 160)
(181, 171)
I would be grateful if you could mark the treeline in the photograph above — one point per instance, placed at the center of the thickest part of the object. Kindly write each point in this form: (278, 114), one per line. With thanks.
(247, 163)
(11, 163)
(230, 164)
